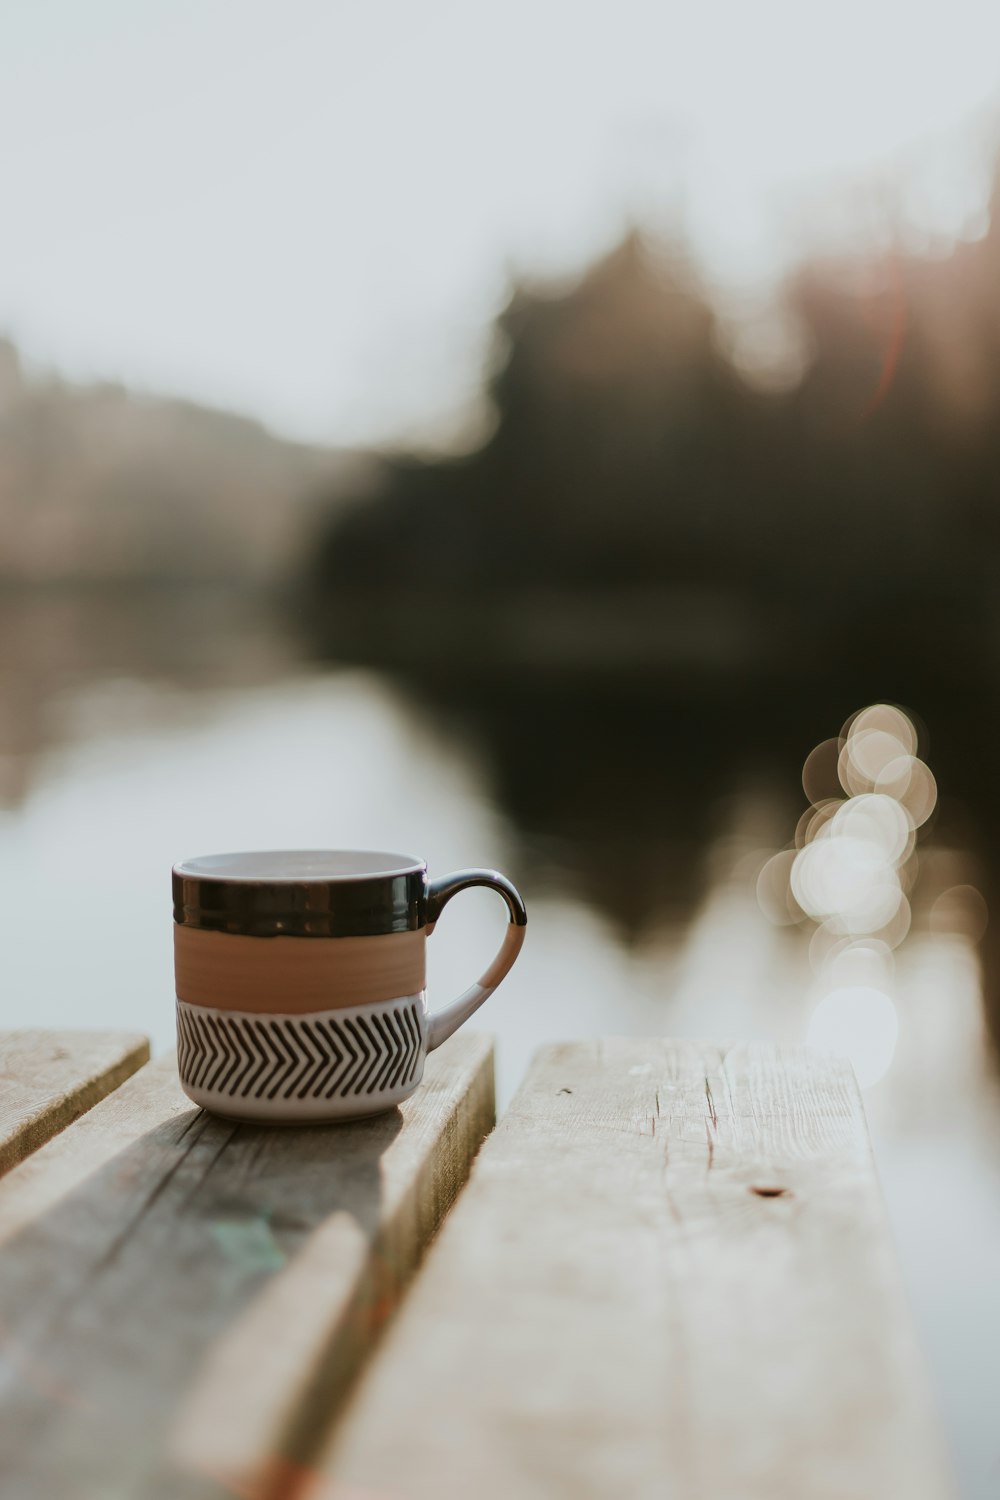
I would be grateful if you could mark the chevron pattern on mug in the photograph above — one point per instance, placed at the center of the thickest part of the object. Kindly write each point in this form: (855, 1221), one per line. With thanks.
(331, 1064)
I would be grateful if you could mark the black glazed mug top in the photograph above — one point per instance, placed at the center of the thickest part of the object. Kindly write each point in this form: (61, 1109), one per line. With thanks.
(302, 893)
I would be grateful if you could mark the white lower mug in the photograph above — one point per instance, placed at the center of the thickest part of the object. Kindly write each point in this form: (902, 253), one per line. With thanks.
(301, 980)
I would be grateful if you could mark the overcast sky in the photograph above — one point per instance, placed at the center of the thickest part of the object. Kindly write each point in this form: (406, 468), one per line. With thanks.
(310, 210)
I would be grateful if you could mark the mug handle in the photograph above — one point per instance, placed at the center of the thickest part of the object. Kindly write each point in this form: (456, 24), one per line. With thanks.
(443, 1023)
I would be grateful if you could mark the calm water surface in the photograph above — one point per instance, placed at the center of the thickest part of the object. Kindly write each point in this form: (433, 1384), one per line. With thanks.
(126, 744)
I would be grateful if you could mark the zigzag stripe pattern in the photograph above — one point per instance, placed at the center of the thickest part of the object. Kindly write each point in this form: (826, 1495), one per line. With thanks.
(334, 1055)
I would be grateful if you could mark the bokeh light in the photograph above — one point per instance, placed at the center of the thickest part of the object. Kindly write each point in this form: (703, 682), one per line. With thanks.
(960, 911)
(912, 784)
(774, 895)
(850, 870)
(820, 779)
(883, 718)
(859, 1022)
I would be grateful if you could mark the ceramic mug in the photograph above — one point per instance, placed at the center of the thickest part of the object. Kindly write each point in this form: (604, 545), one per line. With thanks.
(300, 979)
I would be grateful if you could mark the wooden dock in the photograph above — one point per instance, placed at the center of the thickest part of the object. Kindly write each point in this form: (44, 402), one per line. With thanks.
(669, 1275)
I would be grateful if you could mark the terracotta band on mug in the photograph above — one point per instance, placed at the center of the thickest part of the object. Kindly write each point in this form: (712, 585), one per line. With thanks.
(296, 975)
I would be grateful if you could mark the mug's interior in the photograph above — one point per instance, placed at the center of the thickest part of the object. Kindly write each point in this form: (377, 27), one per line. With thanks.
(299, 864)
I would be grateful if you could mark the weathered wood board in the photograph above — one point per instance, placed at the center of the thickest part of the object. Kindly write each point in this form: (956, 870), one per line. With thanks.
(183, 1300)
(49, 1078)
(670, 1278)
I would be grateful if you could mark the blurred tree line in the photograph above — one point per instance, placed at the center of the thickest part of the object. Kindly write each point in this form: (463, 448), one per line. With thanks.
(99, 485)
(642, 504)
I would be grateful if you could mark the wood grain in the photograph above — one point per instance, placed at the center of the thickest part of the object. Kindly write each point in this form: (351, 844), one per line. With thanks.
(183, 1301)
(670, 1278)
(49, 1078)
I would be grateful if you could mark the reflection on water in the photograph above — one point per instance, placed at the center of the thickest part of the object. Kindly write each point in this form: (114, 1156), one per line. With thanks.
(636, 822)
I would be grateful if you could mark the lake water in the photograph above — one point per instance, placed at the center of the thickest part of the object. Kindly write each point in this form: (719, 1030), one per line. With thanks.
(133, 735)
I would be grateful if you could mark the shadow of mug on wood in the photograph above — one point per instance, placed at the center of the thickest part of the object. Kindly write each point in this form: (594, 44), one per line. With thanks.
(301, 979)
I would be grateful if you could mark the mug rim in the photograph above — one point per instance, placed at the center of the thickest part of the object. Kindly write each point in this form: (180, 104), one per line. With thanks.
(223, 869)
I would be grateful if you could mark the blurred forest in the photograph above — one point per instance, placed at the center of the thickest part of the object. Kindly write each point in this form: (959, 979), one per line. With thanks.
(642, 507)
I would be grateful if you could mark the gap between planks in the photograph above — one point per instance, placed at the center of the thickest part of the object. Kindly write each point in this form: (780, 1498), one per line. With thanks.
(184, 1301)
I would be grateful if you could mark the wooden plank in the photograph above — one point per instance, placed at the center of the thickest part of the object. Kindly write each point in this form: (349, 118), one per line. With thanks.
(184, 1300)
(49, 1078)
(669, 1278)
